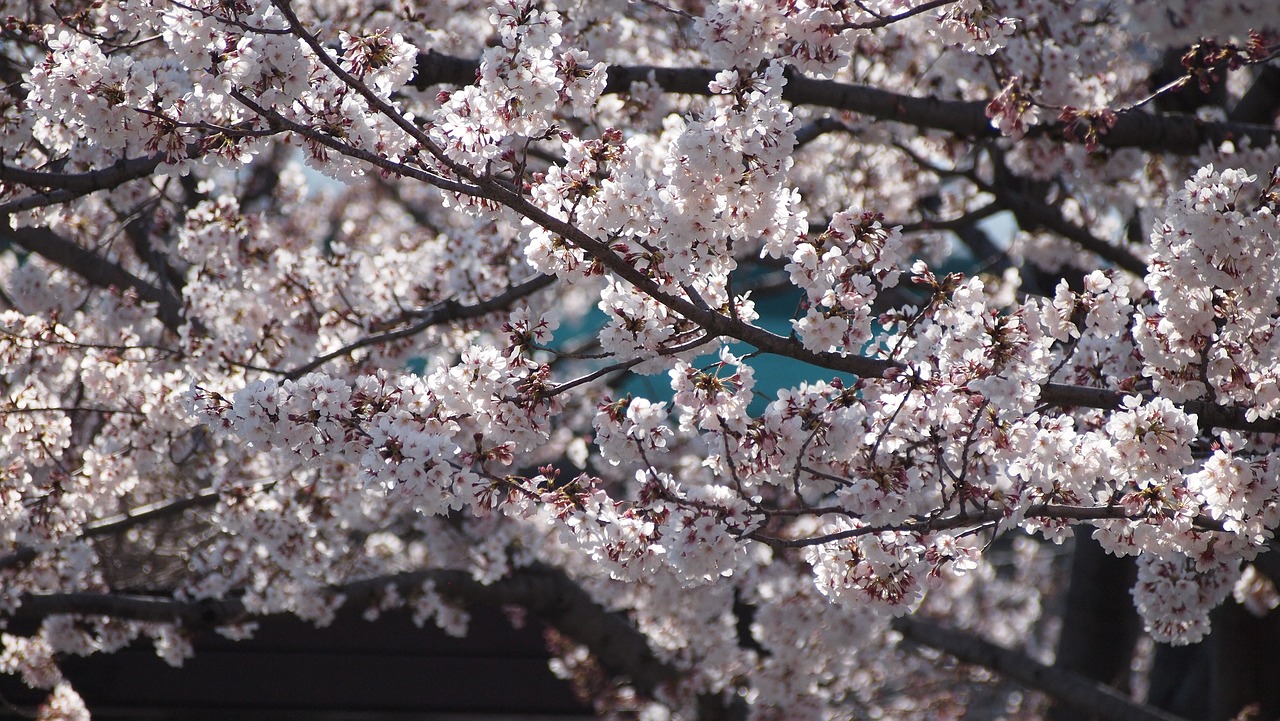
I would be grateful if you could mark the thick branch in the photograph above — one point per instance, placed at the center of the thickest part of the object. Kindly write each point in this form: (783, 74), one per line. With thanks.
(1088, 697)
(109, 177)
(1169, 133)
(1034, 213)
(98, 271)
(990, 258)
(66, 187)
(1208, 415)
(1261, 101)
(555, 599)
(886, 20)
(547, 593)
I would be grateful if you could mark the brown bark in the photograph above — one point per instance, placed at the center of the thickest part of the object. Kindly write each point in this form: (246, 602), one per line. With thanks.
(1099, 625)
(1168, 132)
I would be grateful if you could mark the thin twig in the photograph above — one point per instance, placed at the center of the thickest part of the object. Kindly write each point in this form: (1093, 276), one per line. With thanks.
(885, 20)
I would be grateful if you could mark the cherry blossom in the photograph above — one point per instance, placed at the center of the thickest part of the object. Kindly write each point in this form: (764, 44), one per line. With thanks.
(752, 345)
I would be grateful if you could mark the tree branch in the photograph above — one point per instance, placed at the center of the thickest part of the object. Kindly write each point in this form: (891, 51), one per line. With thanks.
(886, 20)
(558, 601)
(1088, 697)
(97, 270)
(1031, 212)
(1209, 415)
(111, 176)
(545, 592)
(715, 323)
(446, 312)
(128, 519)
(1261, 101)
(1166, 132)
(66, 187)
(967, 519)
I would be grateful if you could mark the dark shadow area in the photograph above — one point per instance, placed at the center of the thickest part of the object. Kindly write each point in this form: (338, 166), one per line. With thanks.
(352, 670)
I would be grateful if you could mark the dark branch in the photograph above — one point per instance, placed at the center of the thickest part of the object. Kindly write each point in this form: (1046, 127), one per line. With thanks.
(98, 271)
(887, 20)
(83, 183)
(717, 324)
(150, 512)
(810, 132)
(969, 519)
(1169, 132)
(1208, 415)
(991, 259)
(1090, 698)
(713, 322)
(1262, 100)
(547, 593)
(66, 187)
(1032, 213)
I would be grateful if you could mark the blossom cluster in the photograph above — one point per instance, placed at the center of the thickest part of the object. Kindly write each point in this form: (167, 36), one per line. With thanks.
(841, 271)
(523, 81)
(1215, 288)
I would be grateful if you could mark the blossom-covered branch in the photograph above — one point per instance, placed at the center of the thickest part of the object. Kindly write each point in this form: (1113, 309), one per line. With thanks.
(1168, 132)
